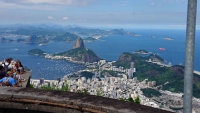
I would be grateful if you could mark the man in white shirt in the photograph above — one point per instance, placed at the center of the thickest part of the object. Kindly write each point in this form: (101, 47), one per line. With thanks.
(8, 64)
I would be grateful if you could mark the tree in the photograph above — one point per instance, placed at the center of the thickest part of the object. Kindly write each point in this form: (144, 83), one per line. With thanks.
(99, 93)
(130, 99)
(121, 99)
(137, 100)
(65, 88)
(48, 87)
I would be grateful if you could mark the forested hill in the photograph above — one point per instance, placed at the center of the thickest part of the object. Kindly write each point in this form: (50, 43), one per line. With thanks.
(172, 77)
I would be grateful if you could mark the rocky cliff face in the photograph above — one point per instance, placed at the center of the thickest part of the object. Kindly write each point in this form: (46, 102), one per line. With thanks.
(84, 55)
(79, 43)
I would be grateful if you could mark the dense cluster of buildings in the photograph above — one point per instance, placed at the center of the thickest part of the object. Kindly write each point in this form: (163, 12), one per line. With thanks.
(122, 86)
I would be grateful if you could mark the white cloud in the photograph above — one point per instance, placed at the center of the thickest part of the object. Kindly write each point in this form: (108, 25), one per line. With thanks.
(9, 5)
(50, 17)
(65, 18)
(51, 2)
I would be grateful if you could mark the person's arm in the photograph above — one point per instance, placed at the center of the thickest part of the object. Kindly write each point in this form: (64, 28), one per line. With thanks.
(2, 80)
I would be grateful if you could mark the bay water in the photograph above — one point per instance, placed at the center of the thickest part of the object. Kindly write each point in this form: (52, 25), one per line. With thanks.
(109, 48)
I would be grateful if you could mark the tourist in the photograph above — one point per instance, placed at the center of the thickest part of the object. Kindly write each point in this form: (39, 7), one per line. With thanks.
(18, 76)
(9, 81)
(20, 67)
(7, 65)
(2, 72)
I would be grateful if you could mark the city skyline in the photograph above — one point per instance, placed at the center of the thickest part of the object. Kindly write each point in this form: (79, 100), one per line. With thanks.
(96, 13)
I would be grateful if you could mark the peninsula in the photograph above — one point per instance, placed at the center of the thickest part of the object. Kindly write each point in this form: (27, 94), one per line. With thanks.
(79, 53)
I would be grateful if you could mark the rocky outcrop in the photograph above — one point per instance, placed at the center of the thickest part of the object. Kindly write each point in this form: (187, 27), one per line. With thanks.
(156, 58)
(35, 39)
(79, 43)
(80, 53)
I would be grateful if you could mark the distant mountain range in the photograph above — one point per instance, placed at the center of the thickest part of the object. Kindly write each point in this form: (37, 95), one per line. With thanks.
(44, 33)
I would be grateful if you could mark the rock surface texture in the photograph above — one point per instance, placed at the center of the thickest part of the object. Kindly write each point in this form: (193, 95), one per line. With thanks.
(79, 43)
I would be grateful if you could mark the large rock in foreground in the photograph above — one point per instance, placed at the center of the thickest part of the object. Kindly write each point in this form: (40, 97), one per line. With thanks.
(79, 43)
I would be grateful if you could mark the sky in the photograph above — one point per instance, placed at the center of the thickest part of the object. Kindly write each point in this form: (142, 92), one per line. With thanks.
(98, 13)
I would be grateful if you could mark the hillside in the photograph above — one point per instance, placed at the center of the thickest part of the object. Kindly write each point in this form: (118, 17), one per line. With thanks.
(81, 54)
(172, 77)
(37, 52)
(66, 37)
(36, 39)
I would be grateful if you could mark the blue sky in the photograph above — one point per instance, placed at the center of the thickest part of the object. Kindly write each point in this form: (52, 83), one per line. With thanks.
(98, 13)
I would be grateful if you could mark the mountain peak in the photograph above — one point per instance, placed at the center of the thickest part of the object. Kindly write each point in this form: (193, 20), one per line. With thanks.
(79, 43)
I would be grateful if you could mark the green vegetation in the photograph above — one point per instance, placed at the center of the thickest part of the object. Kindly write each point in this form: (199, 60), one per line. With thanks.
(87, 74)
(31, 86)
(142, 51)
(148, 92)
(66, 37)
(36, 52)
(84, 91)
(154, 56)
(99, 92)
(78, 52)
(137, 100)
(172, 77)
(48, 88)
(126, 58)
(110, 72)
(81, 54)
(64, 88)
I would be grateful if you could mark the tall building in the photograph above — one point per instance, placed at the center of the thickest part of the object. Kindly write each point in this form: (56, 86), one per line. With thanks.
(131, 70)
(41, 81)
(132, 65)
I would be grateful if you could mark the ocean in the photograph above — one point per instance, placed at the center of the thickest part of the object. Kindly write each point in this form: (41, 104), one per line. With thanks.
(109, 48)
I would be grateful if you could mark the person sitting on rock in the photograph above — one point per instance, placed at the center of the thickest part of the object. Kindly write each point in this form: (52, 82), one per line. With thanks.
(20, 67)
(7, 65)
(18, 76)
(9, 81)
(2, 72)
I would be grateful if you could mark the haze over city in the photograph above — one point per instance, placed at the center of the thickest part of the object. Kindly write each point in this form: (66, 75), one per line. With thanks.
(98, 13)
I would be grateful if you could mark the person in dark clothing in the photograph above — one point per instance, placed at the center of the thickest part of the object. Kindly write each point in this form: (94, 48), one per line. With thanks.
(2, 72)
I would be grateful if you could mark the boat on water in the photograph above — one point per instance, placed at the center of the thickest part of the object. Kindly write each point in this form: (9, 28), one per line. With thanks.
(168, 38)
(162, 49)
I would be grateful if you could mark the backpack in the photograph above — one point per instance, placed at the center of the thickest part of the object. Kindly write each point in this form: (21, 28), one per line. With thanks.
(6, 82)
(6, 67)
